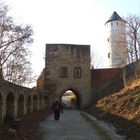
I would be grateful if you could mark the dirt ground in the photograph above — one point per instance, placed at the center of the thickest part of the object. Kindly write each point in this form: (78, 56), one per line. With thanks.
(27, 129)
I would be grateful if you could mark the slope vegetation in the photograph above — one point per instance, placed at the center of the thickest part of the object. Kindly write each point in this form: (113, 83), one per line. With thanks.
(122, 109)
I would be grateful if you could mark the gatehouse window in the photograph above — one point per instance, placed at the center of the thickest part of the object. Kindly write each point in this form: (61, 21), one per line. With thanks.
(63, 72)
(108, 55)
(77, 72)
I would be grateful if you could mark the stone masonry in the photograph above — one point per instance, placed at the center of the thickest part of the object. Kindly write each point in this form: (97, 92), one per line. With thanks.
(18, 101)
(67, 67)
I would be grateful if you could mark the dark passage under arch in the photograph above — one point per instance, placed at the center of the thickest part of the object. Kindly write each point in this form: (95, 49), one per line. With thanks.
(35, 103)
(28, 104)
(10, 105)
(21, 106)
(0, 107)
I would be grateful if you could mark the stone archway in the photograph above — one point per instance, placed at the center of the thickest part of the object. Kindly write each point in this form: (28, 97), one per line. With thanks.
(46, 101)
(35, 102)
(21, 106)
(10, 104)
(77, 94)
(0, 107)
(28, 104)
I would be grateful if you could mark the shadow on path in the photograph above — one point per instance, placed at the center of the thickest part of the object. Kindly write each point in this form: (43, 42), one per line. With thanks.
(125, 127)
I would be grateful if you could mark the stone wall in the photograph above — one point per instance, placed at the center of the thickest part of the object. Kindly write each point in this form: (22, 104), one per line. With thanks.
(59, 74)
(105, 82)
(18, 101)
(41, 80)
(100, 77)
(108, 81)
(131, 72)
(67, 67)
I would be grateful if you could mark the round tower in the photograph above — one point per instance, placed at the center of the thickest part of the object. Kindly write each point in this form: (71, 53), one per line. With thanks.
(116, 39)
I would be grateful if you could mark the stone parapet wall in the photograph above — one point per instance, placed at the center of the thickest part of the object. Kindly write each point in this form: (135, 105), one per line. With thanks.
(108, 81)
(40, 80)
(105, 82)
(100, 77)
(18, 101)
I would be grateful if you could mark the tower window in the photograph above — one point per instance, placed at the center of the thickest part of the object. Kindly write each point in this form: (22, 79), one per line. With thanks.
(108, 39)
(111, 24)
(117, 23)
(77, 72)
(63, 72)
(108, 55)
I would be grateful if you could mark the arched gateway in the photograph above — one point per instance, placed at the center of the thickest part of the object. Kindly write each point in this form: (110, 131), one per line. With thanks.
(77, 94)
(67, 67)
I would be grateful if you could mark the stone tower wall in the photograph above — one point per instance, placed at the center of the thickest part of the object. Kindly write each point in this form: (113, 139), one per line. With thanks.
(68, 67)
(117, 46)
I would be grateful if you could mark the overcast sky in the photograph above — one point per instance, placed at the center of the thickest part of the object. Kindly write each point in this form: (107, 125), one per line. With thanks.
(69, 21)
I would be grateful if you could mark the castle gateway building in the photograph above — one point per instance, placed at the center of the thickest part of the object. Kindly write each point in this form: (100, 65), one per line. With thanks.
(67, 67)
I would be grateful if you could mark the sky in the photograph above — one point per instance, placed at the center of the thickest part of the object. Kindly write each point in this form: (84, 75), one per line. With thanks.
(69, 21)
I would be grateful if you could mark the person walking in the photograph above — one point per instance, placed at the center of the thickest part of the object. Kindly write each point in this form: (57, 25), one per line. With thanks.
(57, 109)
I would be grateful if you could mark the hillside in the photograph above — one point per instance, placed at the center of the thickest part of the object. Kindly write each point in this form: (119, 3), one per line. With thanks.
(121, 109)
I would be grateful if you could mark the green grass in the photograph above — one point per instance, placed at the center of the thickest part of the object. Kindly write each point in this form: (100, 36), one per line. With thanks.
(104, 135)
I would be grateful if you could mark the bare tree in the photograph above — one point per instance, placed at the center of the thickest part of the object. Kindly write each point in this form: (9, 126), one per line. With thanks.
(95, 60)
(133, 37)
(14, 53)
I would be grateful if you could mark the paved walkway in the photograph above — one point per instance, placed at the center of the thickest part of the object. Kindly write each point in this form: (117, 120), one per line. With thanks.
(76, 125)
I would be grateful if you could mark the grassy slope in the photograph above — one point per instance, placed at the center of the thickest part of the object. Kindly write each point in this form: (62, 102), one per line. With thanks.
(121, 109)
